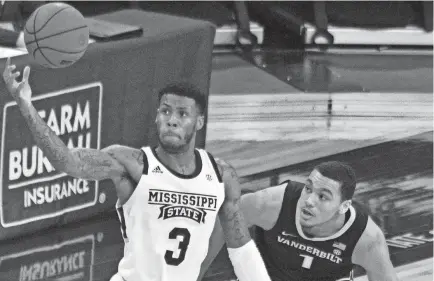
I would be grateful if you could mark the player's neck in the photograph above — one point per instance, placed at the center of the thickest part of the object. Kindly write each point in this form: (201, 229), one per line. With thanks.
(183, 162)
(327, 228)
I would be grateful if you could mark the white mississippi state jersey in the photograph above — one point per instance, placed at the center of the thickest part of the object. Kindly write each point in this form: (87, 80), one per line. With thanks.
(168, 220)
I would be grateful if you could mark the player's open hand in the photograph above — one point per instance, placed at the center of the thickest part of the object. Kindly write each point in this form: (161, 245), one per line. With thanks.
(18, 90)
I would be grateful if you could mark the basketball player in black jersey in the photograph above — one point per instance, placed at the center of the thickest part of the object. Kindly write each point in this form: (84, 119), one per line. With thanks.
(311, 231)
(179, 116)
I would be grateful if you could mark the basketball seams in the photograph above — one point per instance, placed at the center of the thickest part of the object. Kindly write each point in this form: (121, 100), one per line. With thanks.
(34, 21)
(51, 45)
(42, 27)
(37, 44)
(55, 34)
(61, 51)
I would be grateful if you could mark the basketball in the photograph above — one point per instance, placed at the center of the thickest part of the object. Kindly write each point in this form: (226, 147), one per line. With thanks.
(56, 35)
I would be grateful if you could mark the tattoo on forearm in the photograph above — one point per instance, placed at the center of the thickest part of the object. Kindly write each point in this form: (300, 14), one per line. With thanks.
(92, 164)
(234, 174)
(138, 154)
(232, 220)
(52, 146)
(234, 226)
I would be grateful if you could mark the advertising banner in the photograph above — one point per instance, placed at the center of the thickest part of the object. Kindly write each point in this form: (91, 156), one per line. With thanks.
(27, 176)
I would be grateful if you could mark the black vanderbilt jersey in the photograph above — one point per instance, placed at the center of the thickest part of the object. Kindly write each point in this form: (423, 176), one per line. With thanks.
(291, 256)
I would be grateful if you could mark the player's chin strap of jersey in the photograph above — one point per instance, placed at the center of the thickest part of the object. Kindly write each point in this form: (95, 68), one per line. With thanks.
(248, 264)
(245, 39)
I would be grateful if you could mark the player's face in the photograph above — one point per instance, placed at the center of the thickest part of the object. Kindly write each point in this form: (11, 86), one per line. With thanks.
(320, 200)
(178, 119)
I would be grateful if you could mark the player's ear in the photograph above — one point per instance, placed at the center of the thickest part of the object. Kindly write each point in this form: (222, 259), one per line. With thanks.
(344, 206)
(156, 115)
(200, 122)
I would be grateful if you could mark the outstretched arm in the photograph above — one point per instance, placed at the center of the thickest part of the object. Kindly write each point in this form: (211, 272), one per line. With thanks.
(82, 163)
(371, 253)
(242, 249)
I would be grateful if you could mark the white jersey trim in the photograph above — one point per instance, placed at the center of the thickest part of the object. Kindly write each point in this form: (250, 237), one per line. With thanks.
(341, 231)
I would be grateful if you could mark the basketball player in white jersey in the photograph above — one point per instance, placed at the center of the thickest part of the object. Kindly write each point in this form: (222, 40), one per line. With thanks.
(169, 197)
(313, 231)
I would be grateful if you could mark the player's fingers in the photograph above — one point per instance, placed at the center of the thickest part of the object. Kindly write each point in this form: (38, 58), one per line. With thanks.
(15, 75)
(8, 65)
(7, 74)
(7, 68)
(20, 86)
(26, 74)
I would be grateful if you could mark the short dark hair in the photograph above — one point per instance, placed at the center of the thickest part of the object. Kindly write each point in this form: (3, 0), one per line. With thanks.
(185, 89)
(341, 172)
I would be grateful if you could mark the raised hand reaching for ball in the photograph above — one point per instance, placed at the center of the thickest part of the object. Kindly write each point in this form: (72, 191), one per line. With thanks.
(20, 91)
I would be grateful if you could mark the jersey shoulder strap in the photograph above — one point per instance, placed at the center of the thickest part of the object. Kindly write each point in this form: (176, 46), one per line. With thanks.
(361, 221)
(145, 150)
(292, 191)
(290, 198)
(214, 164)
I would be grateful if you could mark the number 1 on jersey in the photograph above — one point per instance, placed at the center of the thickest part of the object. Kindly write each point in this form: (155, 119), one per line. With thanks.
(307, 261)
(183, 245)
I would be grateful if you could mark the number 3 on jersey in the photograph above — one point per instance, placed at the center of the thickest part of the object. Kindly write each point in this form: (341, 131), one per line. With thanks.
(183, 245)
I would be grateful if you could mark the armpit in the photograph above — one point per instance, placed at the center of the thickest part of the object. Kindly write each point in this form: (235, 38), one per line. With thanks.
(131, 158)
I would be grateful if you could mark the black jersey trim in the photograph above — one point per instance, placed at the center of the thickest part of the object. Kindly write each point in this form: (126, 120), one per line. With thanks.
(145, 163)
(195, 173)
(216, 169)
